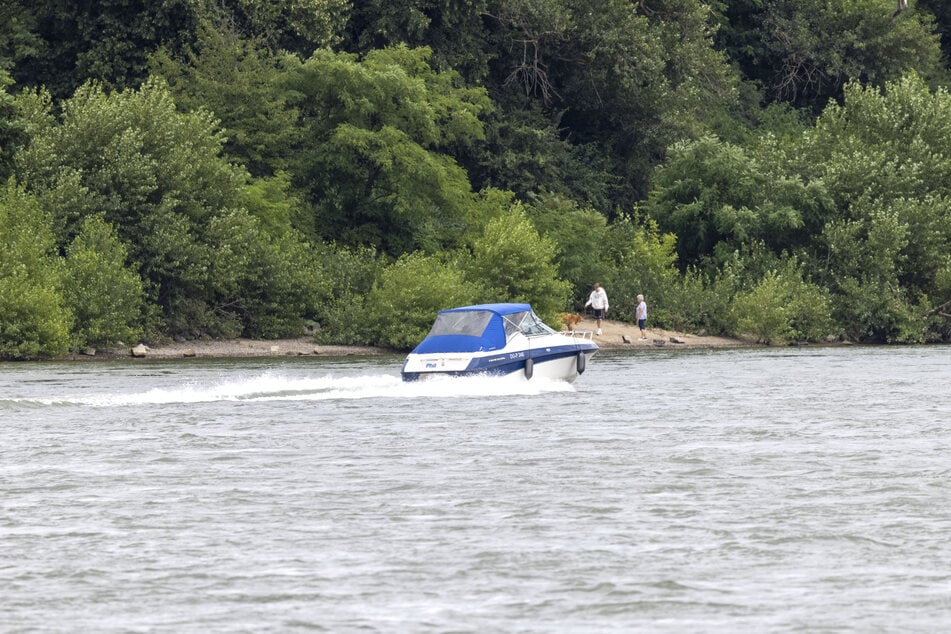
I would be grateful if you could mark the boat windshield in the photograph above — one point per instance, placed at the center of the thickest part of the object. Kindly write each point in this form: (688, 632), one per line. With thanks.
(527, 323)
(470, 322)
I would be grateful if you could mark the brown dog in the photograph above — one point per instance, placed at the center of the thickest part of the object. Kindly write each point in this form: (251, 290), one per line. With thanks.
(570, 320)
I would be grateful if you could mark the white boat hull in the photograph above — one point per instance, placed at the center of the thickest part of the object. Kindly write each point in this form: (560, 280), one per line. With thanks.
(563, 359)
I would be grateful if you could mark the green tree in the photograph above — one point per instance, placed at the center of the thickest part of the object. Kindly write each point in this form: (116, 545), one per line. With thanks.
(861, 200)
(66, 44)
(374, 166)
(884, 157)
(513, 263)
(864, 257)
(19, 38)
(158, 176)
(889, 142)
(104, 295)
(266, 283)
(942, 13)
(718, 197)
(526, 152)
(621, 79)
(298, 26)
(783, 307)
(805, 51)
(240, 81)
(34, 318)
(11, 133)
(580, 236)
(589, 93)
(453, 29)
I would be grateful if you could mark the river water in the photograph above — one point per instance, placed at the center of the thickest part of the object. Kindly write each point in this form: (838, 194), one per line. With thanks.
(767, 490)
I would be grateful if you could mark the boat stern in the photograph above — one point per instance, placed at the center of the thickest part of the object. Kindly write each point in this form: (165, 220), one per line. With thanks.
(418, 365)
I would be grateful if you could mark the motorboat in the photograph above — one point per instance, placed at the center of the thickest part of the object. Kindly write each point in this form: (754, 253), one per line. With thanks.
(498, 339)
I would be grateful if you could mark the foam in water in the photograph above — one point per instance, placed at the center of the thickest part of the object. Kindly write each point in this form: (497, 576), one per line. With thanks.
(270, 386)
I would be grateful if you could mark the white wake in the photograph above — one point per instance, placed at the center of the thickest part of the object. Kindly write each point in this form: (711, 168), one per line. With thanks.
(275, 386)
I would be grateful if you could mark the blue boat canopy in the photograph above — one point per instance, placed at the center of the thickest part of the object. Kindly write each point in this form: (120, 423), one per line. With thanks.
(480, 328)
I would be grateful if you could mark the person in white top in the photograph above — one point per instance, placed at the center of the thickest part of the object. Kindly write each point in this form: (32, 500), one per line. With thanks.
(599, 302)
(641, 314)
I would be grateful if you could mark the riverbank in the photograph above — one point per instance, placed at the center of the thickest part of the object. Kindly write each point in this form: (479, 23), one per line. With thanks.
(231, 348)
(615, 335)
(619, 335)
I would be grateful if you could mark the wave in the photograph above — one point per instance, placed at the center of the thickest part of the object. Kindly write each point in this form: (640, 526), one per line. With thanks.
(271, 386)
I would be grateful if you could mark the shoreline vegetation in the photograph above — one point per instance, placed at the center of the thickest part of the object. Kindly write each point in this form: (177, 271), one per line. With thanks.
(199, 169)
(616, 335)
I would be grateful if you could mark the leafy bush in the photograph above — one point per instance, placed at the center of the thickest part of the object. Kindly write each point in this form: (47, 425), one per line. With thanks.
(782, 307)
(351, 274)
(762, 311)
(267, 283)
(878, 313)
(866, 256)
(689, 304)
(34, 318)
(104, 295)
(402, 306)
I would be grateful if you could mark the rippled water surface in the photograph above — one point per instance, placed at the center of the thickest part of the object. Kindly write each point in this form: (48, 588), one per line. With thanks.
(717, 491)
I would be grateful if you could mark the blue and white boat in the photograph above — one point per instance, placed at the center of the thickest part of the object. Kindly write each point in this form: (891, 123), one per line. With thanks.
(498, 339)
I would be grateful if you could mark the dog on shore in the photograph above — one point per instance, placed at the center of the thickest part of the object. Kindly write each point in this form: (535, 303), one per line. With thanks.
(570, 320)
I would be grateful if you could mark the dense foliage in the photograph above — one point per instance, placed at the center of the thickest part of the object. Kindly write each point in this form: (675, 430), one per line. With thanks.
(775, 169)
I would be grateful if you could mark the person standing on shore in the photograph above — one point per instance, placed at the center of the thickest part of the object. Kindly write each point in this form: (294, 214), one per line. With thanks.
(641, 314)
(598, 300)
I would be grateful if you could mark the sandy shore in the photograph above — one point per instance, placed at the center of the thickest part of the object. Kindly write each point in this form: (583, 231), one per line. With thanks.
(233, 348)
(615, 336)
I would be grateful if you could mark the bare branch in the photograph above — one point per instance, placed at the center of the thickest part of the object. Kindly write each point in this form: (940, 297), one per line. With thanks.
(939, 310)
